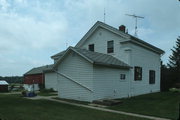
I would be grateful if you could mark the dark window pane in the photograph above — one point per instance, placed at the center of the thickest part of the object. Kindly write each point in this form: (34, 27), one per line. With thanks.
(91, 47)
(137, 73)
(152, 77)
(110, 46)
(122, 76)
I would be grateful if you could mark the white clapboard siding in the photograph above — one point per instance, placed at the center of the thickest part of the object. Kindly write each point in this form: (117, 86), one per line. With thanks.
(107, 83)
(80, 73)
(51, 80)
(148, 60)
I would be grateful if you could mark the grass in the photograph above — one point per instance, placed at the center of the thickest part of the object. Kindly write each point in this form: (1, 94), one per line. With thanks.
(73, 101)
(47, 94)
(14, 107)
(164, 104)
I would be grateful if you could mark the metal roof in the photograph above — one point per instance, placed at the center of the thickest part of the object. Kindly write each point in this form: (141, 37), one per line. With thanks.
(58, 55)
(98, 58)
(39, 70)
(3, 82)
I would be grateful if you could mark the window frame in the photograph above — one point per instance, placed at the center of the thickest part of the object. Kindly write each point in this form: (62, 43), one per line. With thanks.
(122, 76)
(89, 47)
(137, 73)
(110, 46)
(152, 76)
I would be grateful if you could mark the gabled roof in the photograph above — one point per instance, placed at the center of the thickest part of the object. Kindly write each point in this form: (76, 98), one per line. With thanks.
(95, 58)
(39, 70)
(58, 55)
(3, 82)
(128, 37)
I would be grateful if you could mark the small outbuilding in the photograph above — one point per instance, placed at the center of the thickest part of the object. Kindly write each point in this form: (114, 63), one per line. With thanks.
(3, 86)
(35, 78)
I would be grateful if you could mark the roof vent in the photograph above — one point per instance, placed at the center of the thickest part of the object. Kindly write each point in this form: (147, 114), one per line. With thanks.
(122, 28)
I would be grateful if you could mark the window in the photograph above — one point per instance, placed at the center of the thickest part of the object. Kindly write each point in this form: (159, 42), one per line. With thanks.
(151, 77)
(122, 76)
(110, 46)
(137, 73)
(91, 47)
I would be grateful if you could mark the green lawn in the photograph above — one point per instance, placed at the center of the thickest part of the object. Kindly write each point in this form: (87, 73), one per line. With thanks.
(47, 94)
(164, 104)
(14, 107)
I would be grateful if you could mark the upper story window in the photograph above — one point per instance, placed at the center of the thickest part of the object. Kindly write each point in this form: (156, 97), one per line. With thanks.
(91, 47)
(137, 73)
(110, 46)
(152, 77)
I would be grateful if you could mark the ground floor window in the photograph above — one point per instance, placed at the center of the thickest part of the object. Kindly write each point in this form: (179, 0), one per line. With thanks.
(122, 76)
(152, 76)
(137, 73)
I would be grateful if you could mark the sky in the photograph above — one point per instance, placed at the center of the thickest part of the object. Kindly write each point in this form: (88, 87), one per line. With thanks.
(33, 30)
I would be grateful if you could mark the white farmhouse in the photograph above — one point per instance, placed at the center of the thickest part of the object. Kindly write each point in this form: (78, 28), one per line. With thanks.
(107, 63)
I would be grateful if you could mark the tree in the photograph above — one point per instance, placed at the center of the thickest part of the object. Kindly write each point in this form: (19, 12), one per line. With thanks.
(166, 81)
(174, 62)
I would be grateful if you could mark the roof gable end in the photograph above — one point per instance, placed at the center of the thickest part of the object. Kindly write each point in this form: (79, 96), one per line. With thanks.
(101, 25)
(128, 37)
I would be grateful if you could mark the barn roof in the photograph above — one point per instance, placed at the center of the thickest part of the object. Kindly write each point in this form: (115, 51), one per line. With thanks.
(96, 58)
(39, 70)
(3, 82)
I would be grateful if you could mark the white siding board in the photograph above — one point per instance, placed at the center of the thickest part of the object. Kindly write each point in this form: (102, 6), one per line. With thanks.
(51, 80)
(81, 71)
(148, 60)
(107, 83)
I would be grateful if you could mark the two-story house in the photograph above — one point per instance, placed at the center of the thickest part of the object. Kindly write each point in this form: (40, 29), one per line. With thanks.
(106, 63)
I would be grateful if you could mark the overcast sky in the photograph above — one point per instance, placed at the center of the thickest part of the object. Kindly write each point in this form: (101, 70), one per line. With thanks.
(33, 30)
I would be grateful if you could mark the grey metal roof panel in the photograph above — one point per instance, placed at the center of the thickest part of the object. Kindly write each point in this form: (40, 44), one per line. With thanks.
(39, 70)
(58, 55)
(102, 59)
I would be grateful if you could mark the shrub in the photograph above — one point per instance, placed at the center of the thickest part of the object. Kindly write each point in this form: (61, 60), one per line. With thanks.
(174, 90)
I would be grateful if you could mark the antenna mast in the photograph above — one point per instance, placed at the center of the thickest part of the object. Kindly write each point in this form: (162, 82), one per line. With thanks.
(66, 44)
(104, 16)
(136, 18)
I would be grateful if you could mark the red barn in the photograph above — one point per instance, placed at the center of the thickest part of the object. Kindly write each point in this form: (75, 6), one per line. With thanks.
(3, 86)
(35, 77)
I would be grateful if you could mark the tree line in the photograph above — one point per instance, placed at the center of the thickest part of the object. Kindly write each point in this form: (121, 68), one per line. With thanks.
(12, 79)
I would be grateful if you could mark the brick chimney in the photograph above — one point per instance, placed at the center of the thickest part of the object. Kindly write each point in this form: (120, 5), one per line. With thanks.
(122, 28)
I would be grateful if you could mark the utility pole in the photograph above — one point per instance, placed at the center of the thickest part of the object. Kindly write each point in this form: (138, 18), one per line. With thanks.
(136, 18)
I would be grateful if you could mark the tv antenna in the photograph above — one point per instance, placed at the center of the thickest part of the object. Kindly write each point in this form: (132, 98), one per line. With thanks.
(136, 18)
(104, 16)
